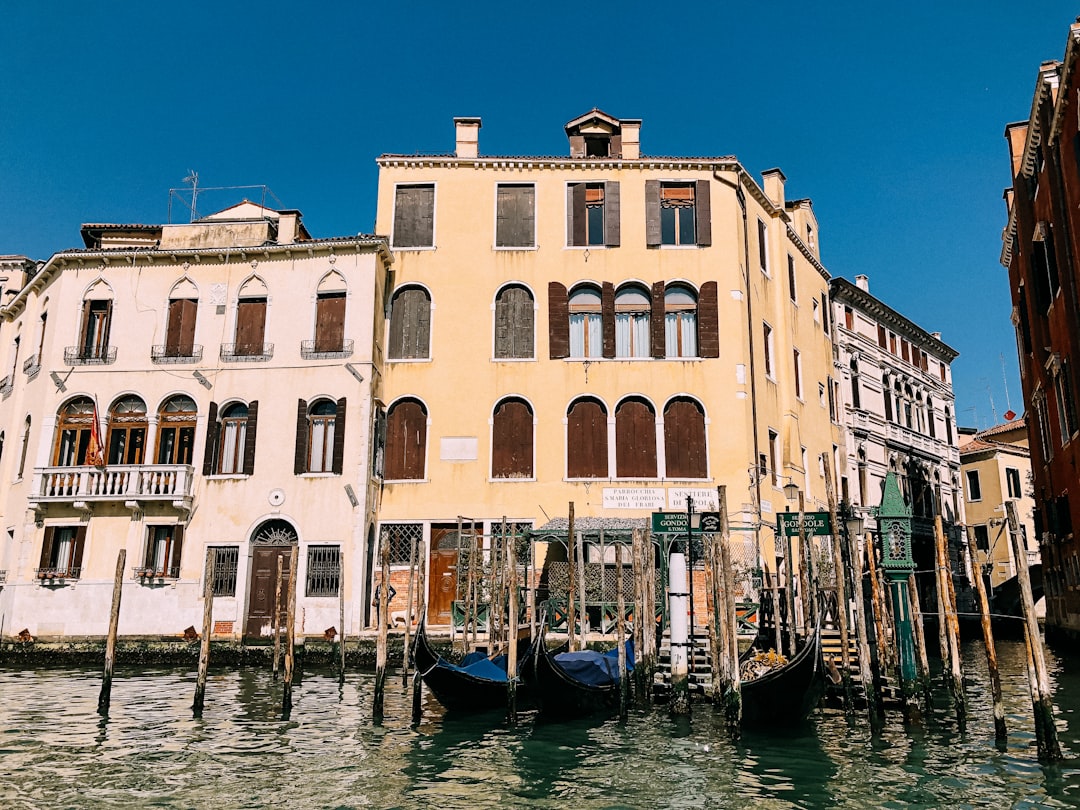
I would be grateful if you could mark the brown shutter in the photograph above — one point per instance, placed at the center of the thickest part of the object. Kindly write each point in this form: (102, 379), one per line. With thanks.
(46, 548)
(512, 452)
(586, 441)
(684, 440)
(703, 213)
(577, 146)
(656, 321)
(615, 146)
(607, 317)
(249, 443)
(210, 448)
(558, 321)
(652, 213)
(87, 331)
(421, 305)
(174, 327)
(611, 214)
(77, 548)
(708, 321)
(300, 458)
(177, 549)
(578, 215)
(339, 437)
(250, 326)
(330, 322)
(635, 440)
(414, 208)
(106, 324)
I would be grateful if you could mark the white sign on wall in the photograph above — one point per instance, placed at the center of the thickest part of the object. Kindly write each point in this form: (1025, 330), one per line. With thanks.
(705, 499)
(458, 448)
(648, 498)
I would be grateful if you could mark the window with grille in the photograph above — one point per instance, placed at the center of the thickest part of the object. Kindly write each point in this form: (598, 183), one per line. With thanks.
(401, 538)
(226, 562)
(323, 570)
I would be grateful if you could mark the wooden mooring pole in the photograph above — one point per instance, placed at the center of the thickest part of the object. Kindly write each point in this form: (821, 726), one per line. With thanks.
(870, 684)
(1041, 701)
(730, 660)
(571, 612)
(277, 615)
(579, 546)
(838, 532)
(620, 631)
(290, 635)
(637, 550)
(1000, 731)
(421, 613)
(405, 649)
(919, 633)
(207, 628)
(648, 626)
(105, 695)
(510, 547)
(789, 564)
(384, 624)
(341, 620)
(947, 614)
(806, 586)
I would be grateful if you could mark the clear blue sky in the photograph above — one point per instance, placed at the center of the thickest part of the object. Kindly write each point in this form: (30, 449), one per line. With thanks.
(890, 118)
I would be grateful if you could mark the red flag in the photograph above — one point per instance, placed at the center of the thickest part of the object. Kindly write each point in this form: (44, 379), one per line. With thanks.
(94, 456)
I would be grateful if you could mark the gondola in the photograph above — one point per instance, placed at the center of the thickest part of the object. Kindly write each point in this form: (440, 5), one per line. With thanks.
(565, 684)
(786, 695)
(477, 684)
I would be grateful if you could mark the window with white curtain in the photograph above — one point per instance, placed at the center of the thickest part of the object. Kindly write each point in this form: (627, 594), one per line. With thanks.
(632, 322)
(680, 322)
(586, 333)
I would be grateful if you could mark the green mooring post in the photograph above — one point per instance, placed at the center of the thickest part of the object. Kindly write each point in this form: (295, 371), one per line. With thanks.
(894, 527)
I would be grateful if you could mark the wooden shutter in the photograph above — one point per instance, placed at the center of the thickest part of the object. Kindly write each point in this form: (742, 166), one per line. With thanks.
(414, 216)
(615, 146)
(558, 321)
(406, 439)
(578, 215)
(708, 321)
(607, 317)
(249, 443)
(339, 437)
(657, 335)
(635, 440)
(173, 327)
(77, 548)
(512, 448)
(47, 547)
(514, 216)
(586, 441)
(611, 214)
(173, 562)
(210, 447)
(330, 322)
(703, 213)
(250, 325)
(684, 440)
(577, 146)
(300, 457)
(652, 213)
(410, 325)
(87, 344)
(514, 323)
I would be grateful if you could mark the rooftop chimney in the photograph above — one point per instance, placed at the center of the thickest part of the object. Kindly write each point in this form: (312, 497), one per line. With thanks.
(774, 186)
(467, 137)
(863, 282)
(631, 138)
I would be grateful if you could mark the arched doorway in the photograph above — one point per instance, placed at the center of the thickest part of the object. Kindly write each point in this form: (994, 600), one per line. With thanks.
(273, 539)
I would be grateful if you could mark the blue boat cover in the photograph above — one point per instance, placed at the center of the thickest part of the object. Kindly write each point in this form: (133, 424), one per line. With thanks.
(479, 666)
(593, 668)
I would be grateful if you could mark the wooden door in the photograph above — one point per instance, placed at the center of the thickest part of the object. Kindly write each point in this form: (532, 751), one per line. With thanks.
(442, 579)
(260, 616)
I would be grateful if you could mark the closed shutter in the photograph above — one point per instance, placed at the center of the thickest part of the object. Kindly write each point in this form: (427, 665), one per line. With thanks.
(514, 324)
(607, 317)
(177, 549)
(586, 441)
(635, 440)
(611, 214)
(87, 347)
(578, 215)
(339, 437)
(47, 548)
(406, 438)
(249, 443)
(514, 216)
(615, 146)
(652, 213)
(300, 457)
(512, 447)
(414, 216)
(656, 321)
(708, 321)
(558, 321)
(410, 325)
(77, 551)
(330, 322)
(250, 326)
(180, 331)
(703, 213)
(210, 447)
(577, 146)
(684, 440)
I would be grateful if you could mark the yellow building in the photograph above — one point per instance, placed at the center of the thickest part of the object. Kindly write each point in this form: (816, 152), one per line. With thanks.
(601, 328)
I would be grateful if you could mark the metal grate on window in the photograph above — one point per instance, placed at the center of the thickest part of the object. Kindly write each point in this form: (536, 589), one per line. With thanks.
(323, 570)
(226, 562)
(401, 537)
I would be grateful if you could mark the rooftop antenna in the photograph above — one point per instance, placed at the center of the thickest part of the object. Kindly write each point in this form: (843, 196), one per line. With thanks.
(993, 410)
(1005, 380)
(193, 178)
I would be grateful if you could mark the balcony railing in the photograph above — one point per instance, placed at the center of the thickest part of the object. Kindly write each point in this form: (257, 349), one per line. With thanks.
(7, 384)
(117, 482)
(47, 575)
(317, 350)
(145, 572)
(89, 355)
(246, 352)
(176, 354)
(32, 365)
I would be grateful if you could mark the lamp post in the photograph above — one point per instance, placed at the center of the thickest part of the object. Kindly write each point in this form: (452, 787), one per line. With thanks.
(894, 527)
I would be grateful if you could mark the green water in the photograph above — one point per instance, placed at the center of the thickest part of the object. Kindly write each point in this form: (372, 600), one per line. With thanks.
(55, 751)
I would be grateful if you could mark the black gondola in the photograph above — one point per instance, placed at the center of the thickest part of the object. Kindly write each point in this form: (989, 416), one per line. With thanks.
(786, 694)
(558, 692)
(476, 687)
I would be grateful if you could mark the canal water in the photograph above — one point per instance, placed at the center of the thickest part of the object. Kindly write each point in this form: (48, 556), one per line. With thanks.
(55, 751)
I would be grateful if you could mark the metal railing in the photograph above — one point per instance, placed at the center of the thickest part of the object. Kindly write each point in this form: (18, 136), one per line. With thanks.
(144, 572)
(32, 365)
(315, 350)
(61, 572)
(115, 482)
(246, 352)
(89, 355)
(164, 353)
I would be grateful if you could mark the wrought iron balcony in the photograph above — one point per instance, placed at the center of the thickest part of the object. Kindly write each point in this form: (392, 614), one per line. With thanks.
(50, 575)
(148, 572)
(246, 352)
(89, 355)
(117, 482)
(7, 384)
(32, 365)
(317, 350)
(176, 354)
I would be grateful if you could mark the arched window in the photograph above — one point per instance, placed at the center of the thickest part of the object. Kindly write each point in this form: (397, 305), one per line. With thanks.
(251, 319)
(635, 439)
(856, 388)
(632, 308)
(908, 398)
(410, 325)
(931, 421)
(233, 439)
(406, 441)
(680, 321)
(886, 392)
(126, 438)
(96, 320)
(330, 314)
(586, 329)
(684, 439)
(180, 329)
(320, 436)
(512, 440)
(586, 440)
(514, 323)
(176, 430)
(72, 432)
